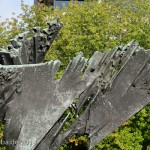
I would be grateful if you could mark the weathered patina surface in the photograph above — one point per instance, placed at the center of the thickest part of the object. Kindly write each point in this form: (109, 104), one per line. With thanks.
(110, 86)
(30, 50)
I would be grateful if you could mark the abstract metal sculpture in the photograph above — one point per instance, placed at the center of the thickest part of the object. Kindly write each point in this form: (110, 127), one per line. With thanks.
(110, 88)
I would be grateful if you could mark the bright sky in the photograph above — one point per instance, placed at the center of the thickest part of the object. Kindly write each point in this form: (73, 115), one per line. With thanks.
(7, 7)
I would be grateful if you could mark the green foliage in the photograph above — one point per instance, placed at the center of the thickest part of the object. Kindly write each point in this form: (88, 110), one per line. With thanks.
(90, 27)
(1, 130)
(1, 135)
(74, 143)
(8, 29)
(100, 26)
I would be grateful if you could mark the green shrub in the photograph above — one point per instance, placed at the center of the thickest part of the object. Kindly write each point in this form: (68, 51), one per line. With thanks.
(1, 135)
